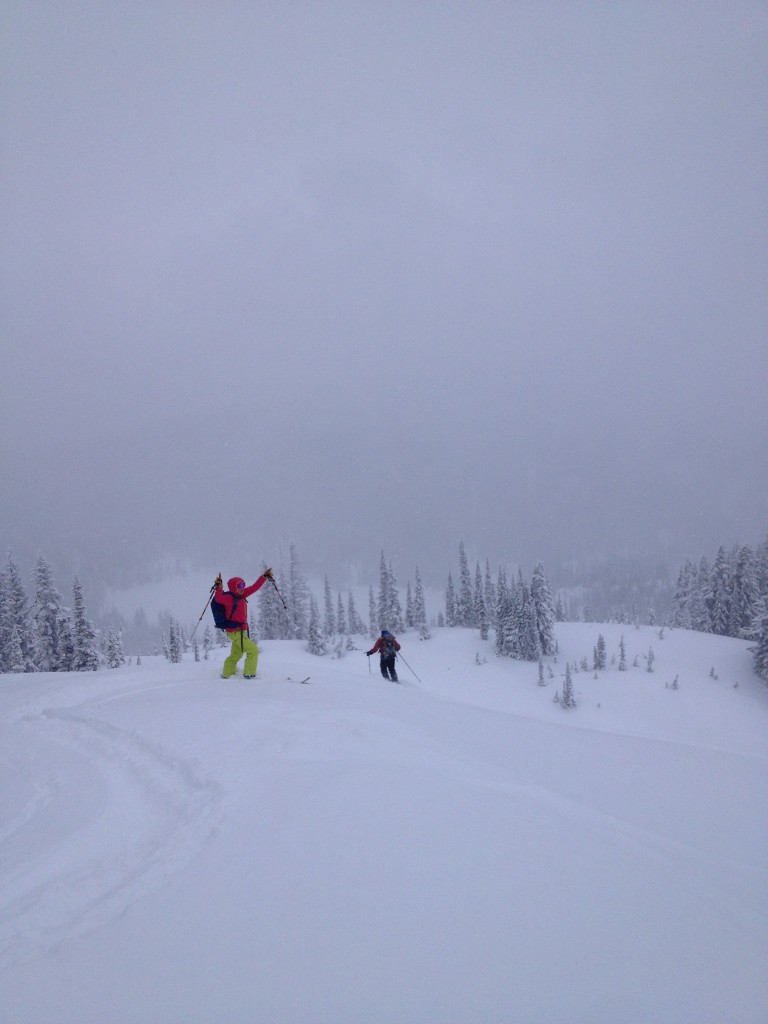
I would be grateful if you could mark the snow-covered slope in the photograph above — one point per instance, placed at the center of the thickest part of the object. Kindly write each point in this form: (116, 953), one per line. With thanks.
(177, 849)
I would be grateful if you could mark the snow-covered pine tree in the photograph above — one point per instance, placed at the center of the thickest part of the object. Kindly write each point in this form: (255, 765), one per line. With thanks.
(559, 610)
(599, 658)
(686, 583)
(760, 632)
(483, 618)
(14, 653)
(409, 606)
(6, 622)
(373, 617)
(269, 607)
(745, 593)
(341, 618)
(465, 613)
(568, 699)
(720, 591)
(501, 613)
(450, 603)
(355, 624)
(207, 641)
(315, 639)
(489, 594)
(384, 604)
(419, 608)
(529, 647)
(175, 648)
(86, 654)
(66, 642)
(622, 654)
(297, 598)
(478, 603)
(701, 598)
(397, 619)
(541, 598)
(329, 616)
(114, 653)
(17, 613)
(46, 619)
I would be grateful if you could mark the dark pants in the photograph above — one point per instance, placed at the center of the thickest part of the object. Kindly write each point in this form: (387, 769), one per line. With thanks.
(387, 665)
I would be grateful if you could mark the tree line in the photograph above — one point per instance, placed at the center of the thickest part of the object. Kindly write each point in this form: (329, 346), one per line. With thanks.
(44, 635)
(727, 596)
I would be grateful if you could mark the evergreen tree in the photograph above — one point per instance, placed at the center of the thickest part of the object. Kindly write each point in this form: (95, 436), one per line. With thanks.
(569, 700)
(419, 608)
(745, 592)
(297, 598)
(86, 656)
(760, 632)
(699, 599)
(489, 594)
(16, 613)
(341, 619)
(686, 583)
(373, 618)
(354, 622)
(46, 618)
(15, 653)
(390, 613)
(175, 647)
(397, 622)
(464, 607)
(483, 619)
(720, 594)
(622, 655)
(478, 602)
(114, 654)
(67, 652)
(541, 598)
(329, 618)
(208, 641)
(271, 624)
(6, 622)
(450, 603)
(502, 611)
(315, 639)
(559, 610)
(599, 654)
(528, 644)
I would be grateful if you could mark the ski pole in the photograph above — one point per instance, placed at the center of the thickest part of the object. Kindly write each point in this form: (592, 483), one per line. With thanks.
(408, 667)
(202, 613)
(278, 592)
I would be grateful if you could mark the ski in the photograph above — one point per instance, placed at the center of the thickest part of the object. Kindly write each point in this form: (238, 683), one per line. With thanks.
(299, 680)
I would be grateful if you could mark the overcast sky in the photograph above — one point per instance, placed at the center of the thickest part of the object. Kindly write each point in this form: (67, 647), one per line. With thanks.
(381, 274)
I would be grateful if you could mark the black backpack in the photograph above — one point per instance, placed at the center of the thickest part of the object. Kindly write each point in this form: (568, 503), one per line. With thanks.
(388, 648)
(220, 613)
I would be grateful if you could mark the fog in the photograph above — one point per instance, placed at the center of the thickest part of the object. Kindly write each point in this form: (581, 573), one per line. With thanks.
(383, 275)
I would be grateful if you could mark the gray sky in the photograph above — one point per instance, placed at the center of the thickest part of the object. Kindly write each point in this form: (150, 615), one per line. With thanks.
(364, 274)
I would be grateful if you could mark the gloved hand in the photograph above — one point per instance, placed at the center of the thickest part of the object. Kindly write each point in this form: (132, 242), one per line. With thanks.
(268, 574)
(368, 654)
(218, 582)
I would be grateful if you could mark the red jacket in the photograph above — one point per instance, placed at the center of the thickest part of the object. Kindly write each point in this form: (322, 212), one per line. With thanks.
(238, 613)
(377, 646)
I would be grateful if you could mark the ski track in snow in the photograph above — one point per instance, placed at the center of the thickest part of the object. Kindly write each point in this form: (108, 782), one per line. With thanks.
(156, 813)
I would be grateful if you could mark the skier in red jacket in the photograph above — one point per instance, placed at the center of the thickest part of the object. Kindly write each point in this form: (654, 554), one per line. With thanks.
(235, 601)
(387, 647)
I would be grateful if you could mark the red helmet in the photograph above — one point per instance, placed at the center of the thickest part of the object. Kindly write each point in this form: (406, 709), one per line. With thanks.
(235, 583)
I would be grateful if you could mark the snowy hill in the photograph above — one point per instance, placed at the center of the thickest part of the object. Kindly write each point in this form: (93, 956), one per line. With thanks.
(177, 849)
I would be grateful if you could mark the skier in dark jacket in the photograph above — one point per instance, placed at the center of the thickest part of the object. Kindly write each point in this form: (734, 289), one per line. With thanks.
(387, 647)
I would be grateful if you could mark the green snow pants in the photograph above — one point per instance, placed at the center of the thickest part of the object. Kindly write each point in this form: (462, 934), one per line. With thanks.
(241, 645)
